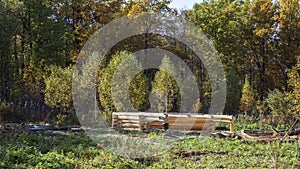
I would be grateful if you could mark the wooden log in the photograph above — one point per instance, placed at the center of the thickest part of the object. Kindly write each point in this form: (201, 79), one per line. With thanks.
(257, 133)
(119, 124)
(232, 127)
(137, 118)
(186, 128)
(138, 113)
(190, 125)
(130, 121)
(155, 123)
(130, 126)
(158, 115)
(131, 129)
(220, 120)
(174, 119)
(222, 117)
(142, 122)
(196, 120)
(114, 121)
(126, 117)
(152, 119)
(225, 117)
(186, 121)
(258, 138)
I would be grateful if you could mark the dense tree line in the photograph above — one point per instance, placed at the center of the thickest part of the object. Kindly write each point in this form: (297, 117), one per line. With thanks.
(258, 42)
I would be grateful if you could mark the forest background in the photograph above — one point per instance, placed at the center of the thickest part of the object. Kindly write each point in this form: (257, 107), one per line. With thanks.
(258, 43)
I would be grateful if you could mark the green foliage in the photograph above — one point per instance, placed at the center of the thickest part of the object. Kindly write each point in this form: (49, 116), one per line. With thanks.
(61, 151)
(58, 91)
(248, 100)
(58, 94)
(280, 107)
(284, 106)
(165, 88)
(234, 91)
(47, 37)
(78, 151)
(250, 122)
(255, 38)
(139, 91)
(33, 83)
(294, 94)
(135, 7)
(120, 75)
(61, 119)
(225, 27)
(214, 153)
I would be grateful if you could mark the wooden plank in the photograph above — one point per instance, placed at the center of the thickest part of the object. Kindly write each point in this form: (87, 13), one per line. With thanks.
(155, 125)
(204, 117)
(220, 121)
(126, 117)
(173, 114)
(137, 118)
(152, 119)
(186, 120)
(185, 128)
(225, 120)
(138, 113)
(179, 121)
(114, 121)
(188, 125)
(134, 116)
(131, 129)
(232, 127)
(142, 122)
(178, 124)
(130, 125)
(227, 117)
(195, 120)
(129, 121)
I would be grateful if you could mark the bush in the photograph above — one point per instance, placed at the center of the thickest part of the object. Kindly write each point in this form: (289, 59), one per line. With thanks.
(58, 91)
(165, 88)
(248, 100)
(117, 76)
(280, 108)
(58, 94)
(285, 106)
(234, 89)
(294, 94)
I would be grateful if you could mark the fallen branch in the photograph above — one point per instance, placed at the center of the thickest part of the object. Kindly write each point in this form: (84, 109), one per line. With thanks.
(269, 135)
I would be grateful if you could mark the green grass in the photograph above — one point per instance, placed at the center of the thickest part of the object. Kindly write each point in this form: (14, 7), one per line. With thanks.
(76, 150)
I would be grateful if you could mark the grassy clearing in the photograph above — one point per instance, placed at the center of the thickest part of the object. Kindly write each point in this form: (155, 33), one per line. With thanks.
(76, 150)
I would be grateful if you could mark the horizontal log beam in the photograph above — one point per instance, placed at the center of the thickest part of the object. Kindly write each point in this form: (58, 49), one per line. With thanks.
(174, 115)
(147, 120)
